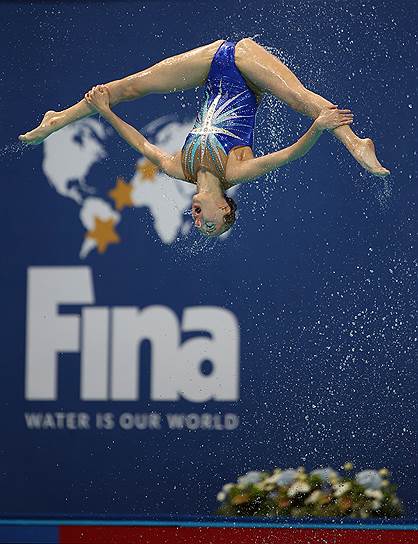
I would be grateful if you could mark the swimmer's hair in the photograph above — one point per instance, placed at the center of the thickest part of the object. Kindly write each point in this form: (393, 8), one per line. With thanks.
(229, 218)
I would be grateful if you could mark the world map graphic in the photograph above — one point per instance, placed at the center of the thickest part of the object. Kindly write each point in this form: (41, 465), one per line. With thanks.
(68, 158)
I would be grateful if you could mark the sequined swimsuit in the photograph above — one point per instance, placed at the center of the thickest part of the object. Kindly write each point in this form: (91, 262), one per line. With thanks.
(226, 118)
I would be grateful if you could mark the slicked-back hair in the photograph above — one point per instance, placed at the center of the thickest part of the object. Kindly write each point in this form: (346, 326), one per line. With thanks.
(229, 219)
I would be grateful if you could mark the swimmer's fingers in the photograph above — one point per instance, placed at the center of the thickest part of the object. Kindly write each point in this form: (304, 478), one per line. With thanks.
(345, 122)
(88, 97)
(102, 93)
(342, 113)
(98, 97)
(103, 89)
(346, 117)
(332, 118)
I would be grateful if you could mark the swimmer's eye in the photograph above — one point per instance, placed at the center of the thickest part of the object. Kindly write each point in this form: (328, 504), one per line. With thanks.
(197, 209)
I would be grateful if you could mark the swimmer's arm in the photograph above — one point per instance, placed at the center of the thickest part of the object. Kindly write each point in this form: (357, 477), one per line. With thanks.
(168, 163)
(242, 171)
(330, 117)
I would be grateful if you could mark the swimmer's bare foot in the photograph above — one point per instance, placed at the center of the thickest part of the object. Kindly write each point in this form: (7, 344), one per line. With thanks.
(365, 153)
(43, 130)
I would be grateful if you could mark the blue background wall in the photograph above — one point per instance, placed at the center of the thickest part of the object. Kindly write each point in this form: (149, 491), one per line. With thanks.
(318, 270)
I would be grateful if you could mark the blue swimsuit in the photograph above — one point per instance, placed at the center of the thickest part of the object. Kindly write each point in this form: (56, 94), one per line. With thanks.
(226, 119)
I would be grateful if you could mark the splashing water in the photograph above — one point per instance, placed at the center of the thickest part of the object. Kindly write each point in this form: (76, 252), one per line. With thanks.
(274, 127)
(15, 150)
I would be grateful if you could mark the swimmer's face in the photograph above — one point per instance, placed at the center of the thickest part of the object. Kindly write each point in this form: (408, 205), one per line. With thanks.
(208, 214)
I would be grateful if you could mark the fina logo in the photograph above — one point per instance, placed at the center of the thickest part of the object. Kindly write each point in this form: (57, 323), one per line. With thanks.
(108, 341)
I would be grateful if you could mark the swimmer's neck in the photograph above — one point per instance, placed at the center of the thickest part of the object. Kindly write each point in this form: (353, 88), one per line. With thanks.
(208, 183)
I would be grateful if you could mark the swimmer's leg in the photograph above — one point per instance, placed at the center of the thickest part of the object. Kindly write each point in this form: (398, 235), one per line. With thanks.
(184, 71)
(268, 73)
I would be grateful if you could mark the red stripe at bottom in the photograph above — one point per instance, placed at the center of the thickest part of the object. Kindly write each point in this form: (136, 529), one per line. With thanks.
(211, 535)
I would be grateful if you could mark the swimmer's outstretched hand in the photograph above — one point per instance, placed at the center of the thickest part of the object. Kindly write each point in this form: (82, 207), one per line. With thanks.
(98, 97)
(331, 117)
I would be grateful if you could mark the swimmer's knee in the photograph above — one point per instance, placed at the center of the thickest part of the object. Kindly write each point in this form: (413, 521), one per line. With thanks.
(245, 43)
(243, 48)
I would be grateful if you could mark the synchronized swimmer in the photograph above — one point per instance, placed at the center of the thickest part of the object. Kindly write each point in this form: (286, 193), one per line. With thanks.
(217, 153)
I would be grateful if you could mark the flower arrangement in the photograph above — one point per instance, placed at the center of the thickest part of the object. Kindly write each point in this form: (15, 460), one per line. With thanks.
(320, 493)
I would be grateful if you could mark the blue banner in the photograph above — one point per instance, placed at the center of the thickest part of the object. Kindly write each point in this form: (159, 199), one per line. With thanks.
(144, 366)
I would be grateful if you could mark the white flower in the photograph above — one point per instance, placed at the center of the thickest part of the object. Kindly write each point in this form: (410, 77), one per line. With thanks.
(374, 494)
(252, 477)
(298, 487)
(220, 496)
(227, 487)
(313, 497)
(340, 489)
(285, 478)
(326, 474)
(369, 479)
(376, 505)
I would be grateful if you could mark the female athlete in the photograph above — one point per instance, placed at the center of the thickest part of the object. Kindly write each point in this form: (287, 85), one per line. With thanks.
(217, 153)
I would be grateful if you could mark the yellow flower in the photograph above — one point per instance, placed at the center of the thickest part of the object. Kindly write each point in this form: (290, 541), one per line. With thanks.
(348, 466)
(345, 503)
(240, 499)
(384, 472)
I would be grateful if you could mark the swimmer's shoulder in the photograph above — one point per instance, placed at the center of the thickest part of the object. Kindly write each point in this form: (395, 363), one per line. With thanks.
(235, 157)
(172, 165)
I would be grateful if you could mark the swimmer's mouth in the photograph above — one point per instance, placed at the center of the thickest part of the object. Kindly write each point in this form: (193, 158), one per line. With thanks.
(210, 228)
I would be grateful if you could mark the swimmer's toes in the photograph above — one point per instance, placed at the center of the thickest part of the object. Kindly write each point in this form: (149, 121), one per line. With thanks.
(42, 131)
(30, 139)
(383, 173)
